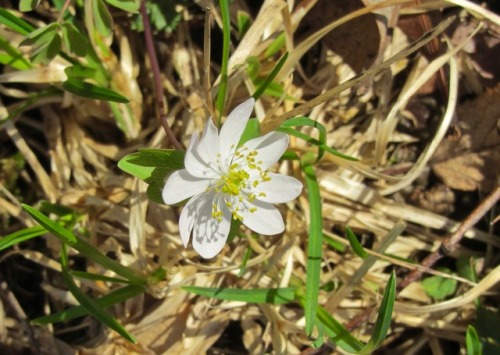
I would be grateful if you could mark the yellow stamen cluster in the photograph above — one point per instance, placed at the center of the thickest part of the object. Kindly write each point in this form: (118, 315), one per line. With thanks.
(236, 184)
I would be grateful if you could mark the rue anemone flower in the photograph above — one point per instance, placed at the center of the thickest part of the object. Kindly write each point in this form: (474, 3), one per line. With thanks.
(226, 181)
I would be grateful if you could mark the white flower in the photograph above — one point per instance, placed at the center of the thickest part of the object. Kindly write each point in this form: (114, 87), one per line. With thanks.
(227, 181)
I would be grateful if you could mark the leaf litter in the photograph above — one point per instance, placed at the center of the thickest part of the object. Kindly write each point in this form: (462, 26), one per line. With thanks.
(71, 146)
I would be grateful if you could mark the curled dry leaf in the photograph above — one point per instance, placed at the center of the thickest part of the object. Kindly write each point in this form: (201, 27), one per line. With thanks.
(356, 41)
(472, 161)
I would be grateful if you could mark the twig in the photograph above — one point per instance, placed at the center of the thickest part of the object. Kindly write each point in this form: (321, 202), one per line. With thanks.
(206, 64)
(449, 244)
(157, 77)
(63, 10)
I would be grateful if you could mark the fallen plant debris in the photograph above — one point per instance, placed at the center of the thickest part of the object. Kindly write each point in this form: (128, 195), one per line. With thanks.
(389, 111)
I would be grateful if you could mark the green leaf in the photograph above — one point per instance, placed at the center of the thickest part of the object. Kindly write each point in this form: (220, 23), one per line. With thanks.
(21, 236)
(74, 41)
(275, 46)
(153, 166)
(356, 246)
(80, 72)
(46, 43)
(253, 67)
(91, 91)
(131, 6)
(66, 237)
(28, 5)
(90, 305)
(383, 319)
(163, 16)
(252, 130)
(314, 248)
(40, 36)
(265, 295)
(15, 23)
(47, 51)
(487, 324)
(102, 18)
(472, 341)
(157, 275)
(439, 287)
(466, 268)
(269, 79)
(144, 163)
(116, 296)
(243, 21)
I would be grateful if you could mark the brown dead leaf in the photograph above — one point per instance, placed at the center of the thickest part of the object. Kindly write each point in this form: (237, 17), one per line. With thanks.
(356, 41)
(472, 162)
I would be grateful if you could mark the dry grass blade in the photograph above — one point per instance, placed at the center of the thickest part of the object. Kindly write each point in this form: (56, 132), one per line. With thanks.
(391, 117)
(304, 108)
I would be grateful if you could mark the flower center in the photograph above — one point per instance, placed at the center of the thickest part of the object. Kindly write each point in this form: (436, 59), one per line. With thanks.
(235, 186)
(234, 180)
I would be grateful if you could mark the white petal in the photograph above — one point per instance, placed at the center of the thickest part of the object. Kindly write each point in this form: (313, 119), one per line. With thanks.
(233, 128)
(195, 163)
(269, 147)
(210, 235)
(182, 185)
(266, 219)
(280, 189)
(188, 217)
(208, 147)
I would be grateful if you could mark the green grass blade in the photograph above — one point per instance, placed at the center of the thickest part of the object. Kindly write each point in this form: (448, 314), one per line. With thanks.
(265, 295)
(21, 236)
(30, 101)
(334, 244)
(116, 296)
(384, 317)
(92, 253)
(226, 37)
(83, 247)
(63, 234)
(97, 277)
(313, 141)
(90, 305)
(91, 91)
(335, 331)
(258, 93)
(15, 23)
(472, 341)
(314, 248)
(306, 121)
(356, 246)
(12, 56)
